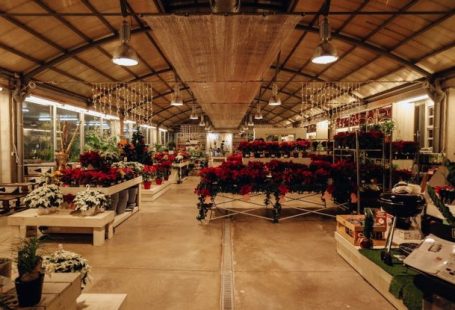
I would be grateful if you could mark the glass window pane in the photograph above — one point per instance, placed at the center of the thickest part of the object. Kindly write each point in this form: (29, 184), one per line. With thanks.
(37, 133)
(92, 124)
(67, 122)
(107, 128)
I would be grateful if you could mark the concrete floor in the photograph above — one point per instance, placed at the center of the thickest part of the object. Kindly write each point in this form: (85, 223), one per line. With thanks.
(164, 259)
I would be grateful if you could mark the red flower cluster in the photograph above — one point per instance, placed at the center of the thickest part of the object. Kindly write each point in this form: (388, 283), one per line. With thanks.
(367, 139)
(149, 172)
(90, 158)
(405, 147)
(234, 177)
(78, 176)
(259, 146)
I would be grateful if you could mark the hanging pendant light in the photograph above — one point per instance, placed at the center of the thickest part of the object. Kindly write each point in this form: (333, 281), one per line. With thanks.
(193, 114)
(202, 122)
(258, 114)
(275, 99)
(245, 126)
(176, 100)
(250, 121)
(124, 54)
(325, 53)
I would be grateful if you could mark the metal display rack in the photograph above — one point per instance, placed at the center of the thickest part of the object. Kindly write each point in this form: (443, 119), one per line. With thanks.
(311, 207)
(356, 154)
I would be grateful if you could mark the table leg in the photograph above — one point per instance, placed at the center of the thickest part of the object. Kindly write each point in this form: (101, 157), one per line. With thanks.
(98, 235)
(22, 231)
(110, 230)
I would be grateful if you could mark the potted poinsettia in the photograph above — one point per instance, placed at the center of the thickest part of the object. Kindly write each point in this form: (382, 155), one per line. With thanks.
(160, 172)
(46, 199)
(148, 174)
(89, 202)
(62, 261)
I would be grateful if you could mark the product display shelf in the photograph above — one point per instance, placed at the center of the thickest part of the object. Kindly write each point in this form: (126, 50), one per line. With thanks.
(299, 160)
(372, 273)
(180, 167)
(105, 190)
(149, 195)
(100, 225)
(119, 218)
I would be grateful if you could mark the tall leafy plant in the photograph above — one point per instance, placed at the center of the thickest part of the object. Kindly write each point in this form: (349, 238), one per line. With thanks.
(28, 259)
(445, 211)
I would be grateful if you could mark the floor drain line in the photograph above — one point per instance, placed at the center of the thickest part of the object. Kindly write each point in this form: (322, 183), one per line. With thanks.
(227, 274)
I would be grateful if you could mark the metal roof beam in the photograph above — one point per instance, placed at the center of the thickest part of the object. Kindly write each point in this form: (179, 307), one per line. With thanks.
(373, 48)
(76, 50)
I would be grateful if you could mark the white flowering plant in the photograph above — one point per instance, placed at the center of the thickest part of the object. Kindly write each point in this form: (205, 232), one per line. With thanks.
(46, 196)
(89, 199)
(46, 178)
(62, 261)
(133, 165)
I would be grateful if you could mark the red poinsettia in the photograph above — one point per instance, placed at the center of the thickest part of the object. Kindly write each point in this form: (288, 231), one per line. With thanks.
(90, 158)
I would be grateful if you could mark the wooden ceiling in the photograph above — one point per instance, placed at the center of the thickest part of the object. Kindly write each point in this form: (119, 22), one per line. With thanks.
(223, 58)
(70, 42)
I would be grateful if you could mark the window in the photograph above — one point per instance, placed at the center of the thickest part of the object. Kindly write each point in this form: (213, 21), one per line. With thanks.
(38, 133)
(92, 124)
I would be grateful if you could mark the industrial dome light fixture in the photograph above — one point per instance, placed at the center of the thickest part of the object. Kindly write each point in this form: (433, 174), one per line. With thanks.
(258, 114)
(325, 53)
(124, 54)
(193, 114)
(250, 121)
(225, 6)
(275, 99)
(202, 122)
(176, 100)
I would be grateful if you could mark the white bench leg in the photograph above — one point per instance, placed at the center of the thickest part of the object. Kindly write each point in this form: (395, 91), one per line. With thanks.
(98, 235)
(110, 230)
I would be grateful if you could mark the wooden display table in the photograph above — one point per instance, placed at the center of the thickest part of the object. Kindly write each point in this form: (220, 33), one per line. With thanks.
(99, 223)
(298, 160)
(60, 291)
(108, 191)
(179, 167)
(371, 272)
(73, 190)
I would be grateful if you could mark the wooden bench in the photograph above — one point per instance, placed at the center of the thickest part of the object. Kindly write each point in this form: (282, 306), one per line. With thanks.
(21, 190)
(7, 198)
(101, 223)
(60, 291)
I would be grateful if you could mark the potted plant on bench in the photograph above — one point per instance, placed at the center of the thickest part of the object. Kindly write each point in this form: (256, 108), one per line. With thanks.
(46, 199)
(29, 283)
(89, 202)
(62, 261)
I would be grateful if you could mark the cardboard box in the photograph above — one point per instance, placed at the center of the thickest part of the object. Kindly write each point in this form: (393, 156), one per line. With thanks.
(351, 228)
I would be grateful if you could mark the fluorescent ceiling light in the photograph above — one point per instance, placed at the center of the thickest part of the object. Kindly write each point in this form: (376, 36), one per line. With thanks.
(47, 102)
(414, 99)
